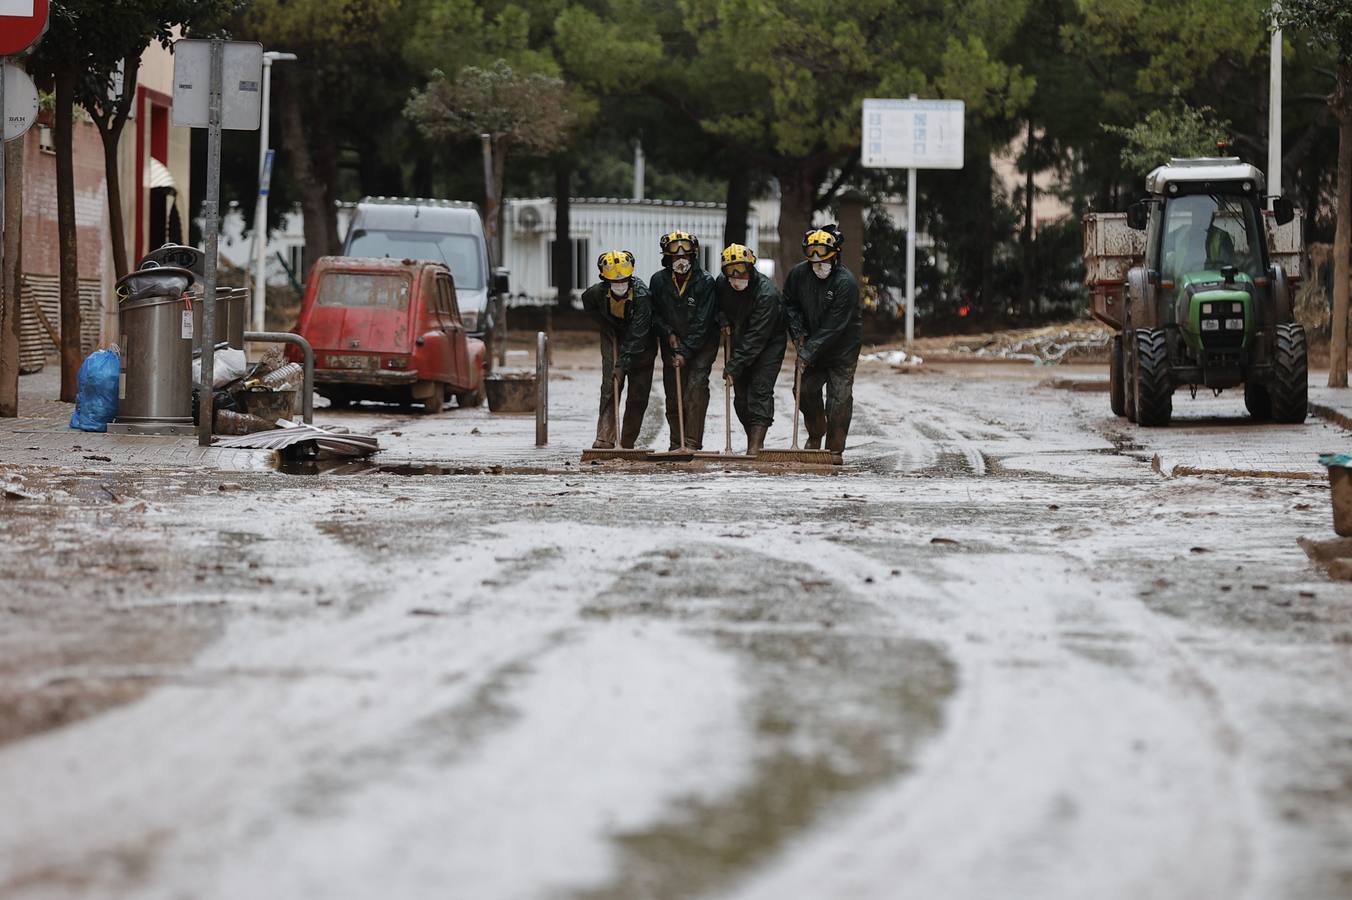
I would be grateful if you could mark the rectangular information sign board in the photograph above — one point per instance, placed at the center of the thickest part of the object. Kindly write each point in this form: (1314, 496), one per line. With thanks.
(241, 85)
(912, 134)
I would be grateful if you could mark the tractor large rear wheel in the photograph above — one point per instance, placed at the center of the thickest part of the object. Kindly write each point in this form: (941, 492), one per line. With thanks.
(1117, 390)
(1290, 386)
(1152, 383)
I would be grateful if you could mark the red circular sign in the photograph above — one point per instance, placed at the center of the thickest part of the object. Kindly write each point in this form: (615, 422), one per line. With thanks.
(19, 32)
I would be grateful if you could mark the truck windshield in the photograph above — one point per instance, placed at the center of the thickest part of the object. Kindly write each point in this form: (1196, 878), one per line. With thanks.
(1203, 232)
(373, 290)
(460, 252)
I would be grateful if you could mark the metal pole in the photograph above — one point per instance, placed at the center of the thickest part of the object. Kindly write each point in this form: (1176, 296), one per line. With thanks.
(542, 390)
(640, 175)
(910, 254)
(211, 217)
(4, 137)
(260, 242)
(1274, 172)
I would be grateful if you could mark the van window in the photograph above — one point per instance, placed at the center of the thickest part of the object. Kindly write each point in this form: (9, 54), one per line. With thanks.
(460, 252)
(364, 289)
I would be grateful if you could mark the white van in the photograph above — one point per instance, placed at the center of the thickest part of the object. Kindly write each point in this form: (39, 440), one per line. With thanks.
(444, 231)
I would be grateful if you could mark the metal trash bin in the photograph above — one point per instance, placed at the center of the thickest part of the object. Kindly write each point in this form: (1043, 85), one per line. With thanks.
(231, 312)
(156, 326)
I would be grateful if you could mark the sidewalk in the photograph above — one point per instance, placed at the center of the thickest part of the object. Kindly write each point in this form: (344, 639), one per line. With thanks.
(41, 435)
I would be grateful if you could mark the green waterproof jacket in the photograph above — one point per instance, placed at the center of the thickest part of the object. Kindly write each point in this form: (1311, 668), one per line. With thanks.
(632, 328)
(690, 315)
(825, 312)
(756, 316)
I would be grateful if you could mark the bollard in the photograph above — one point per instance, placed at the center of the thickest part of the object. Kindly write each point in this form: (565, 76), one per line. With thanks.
(541, 389)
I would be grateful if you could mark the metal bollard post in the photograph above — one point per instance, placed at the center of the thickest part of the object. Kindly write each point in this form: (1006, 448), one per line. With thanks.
(541, 389)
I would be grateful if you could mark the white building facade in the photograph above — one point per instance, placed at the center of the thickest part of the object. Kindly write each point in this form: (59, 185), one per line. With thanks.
(597, 225)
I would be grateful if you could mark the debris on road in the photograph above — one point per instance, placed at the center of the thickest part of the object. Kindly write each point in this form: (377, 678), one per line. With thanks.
(1053, 344)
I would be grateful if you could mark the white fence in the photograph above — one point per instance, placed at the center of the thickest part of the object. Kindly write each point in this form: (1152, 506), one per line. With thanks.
(598, 225)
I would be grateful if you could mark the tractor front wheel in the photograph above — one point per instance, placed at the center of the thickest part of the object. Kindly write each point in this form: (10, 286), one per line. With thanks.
(1290, 385)
(1117, 391)
(1152, 384)
(1257, 400)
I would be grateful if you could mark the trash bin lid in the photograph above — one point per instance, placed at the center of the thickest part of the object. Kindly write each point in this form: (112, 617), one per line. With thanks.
(158, 281)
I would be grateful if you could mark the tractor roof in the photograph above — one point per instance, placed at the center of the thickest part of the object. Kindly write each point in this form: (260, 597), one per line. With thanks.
(1205, 170)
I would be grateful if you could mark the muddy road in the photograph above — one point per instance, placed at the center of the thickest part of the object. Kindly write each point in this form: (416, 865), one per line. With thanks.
(1002, 652)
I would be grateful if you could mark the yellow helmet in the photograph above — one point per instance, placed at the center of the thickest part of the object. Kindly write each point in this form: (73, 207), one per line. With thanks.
(737, 258)
(679, 242)
(616, 265)
(821, 243)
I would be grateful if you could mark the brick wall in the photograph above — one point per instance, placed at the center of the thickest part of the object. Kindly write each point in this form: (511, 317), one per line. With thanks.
(40, 256)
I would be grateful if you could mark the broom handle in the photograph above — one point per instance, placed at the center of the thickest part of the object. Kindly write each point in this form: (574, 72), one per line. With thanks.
(797, 369)
(727, 396)
(615, 373)
(680, 405)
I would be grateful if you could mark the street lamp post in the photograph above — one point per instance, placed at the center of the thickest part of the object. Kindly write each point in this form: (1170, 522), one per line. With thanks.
(1274, 172)
(260, 241)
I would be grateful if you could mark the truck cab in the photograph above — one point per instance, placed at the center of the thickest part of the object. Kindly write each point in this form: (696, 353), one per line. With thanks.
(449, 232)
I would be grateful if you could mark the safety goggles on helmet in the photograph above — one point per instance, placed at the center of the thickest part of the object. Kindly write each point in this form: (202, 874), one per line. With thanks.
(616, 265)
(821, 243)
(678, 242)
(736, 257)
(738, 270)
(819, 254)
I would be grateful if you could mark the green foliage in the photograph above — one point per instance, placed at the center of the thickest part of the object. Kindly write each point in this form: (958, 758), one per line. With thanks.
(528, 110)
(1175, 130)
(1327, 22)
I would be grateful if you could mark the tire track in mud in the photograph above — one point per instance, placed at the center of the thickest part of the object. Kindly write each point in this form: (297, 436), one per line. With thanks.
(837, 707)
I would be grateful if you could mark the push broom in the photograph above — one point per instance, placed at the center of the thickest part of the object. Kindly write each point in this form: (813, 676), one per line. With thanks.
(794, 454)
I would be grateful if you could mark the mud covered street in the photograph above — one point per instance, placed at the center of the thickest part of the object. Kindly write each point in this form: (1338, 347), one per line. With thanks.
(1009, 649)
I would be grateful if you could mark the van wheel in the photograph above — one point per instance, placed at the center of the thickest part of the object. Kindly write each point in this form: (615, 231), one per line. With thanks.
(470, 399)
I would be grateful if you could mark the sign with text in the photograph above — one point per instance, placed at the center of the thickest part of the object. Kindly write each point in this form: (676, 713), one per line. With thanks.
(21, 102)
(912, 134)
(241, 85)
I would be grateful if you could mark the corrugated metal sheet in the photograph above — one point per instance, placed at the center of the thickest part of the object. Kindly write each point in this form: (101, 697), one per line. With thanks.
(43, 292)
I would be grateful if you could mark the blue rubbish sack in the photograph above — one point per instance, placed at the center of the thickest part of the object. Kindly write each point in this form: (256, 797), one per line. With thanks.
(96, 395)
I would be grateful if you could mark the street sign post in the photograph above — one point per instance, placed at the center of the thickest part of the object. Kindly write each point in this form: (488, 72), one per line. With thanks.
(912, 134)
(22, 23)
(217, 85)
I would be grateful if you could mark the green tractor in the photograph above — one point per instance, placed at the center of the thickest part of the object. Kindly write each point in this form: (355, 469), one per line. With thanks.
(1201, 302)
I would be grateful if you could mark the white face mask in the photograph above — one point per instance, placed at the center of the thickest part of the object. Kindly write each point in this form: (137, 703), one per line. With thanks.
(680, 266)
(739, 284)
(619, 288)
(822, 270)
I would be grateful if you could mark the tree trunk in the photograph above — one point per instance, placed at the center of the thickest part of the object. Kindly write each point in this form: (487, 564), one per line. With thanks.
(499, 179)
(313, 192)
(797, 189)
(563, 233)
(739, 205)
(326, 166)
(10, 317)
(984, 182)
(110, 132)
(489, 148)
(1342, 238)
(67, 235)
(1029, 195)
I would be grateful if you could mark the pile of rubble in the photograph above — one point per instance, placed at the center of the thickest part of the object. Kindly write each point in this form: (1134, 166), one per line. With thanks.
(1069, 342)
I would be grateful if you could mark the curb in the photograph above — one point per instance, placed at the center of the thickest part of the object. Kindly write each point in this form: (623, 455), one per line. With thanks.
(1331, 415)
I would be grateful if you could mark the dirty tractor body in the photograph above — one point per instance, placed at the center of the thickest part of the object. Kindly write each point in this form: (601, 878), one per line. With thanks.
(1202, 303)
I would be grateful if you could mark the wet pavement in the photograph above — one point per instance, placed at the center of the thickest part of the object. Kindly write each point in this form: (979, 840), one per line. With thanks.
(1014, 647)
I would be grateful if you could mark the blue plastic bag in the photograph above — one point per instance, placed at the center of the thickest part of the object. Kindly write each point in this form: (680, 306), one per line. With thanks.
(96, 395)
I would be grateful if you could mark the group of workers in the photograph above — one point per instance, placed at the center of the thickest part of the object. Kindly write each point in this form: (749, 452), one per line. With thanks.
(686, 315)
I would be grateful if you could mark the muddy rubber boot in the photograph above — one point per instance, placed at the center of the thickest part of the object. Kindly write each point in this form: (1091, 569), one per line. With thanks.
(599, 444)
(835, 440)
(813, 442)
(755, 439)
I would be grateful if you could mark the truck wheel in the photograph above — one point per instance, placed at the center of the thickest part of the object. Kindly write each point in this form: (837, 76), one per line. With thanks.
(1117, 394)
(1151, 382)
(1257, 400)
(1290, 387)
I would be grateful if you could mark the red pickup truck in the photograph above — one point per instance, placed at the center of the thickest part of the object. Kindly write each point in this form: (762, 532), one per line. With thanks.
(389, 330)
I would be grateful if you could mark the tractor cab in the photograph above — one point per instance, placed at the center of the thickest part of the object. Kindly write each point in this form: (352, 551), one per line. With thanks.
(1206, 306)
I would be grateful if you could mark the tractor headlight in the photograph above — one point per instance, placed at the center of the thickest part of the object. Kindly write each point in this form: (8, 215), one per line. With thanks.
(1211, 324)
(1234, 324)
